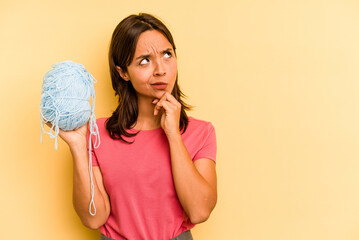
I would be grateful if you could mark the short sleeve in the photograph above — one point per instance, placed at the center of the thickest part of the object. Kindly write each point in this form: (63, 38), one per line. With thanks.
(94, 158)
(209, 147)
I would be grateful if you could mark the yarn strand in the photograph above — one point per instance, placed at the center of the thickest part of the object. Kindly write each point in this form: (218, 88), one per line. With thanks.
(67, 89)
(93, 131)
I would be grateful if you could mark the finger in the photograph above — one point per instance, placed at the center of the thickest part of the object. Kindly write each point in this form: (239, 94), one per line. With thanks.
(158, 103)
(49, 124)
(170, 107)
(166, 106)
(161, 104)
(172, 99)
(157, 108)
(163, 98)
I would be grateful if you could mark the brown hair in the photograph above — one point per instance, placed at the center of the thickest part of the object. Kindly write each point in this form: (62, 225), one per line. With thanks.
(121, 53)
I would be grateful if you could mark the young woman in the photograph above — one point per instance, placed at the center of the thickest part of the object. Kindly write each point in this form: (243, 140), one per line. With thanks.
(154, 171)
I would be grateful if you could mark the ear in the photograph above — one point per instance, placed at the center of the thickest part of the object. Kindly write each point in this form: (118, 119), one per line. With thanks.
(122, 73)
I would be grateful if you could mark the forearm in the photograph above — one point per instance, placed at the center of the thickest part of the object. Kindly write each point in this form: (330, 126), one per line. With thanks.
(195, 194)
(82, 191)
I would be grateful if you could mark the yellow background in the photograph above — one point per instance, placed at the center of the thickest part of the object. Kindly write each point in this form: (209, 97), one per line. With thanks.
(278, 79)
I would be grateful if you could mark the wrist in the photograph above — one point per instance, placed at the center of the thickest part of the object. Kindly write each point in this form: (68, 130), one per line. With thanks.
(78, 147)
(174, 136)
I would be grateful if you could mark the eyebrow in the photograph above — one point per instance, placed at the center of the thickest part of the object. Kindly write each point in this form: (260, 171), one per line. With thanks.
(147, 55)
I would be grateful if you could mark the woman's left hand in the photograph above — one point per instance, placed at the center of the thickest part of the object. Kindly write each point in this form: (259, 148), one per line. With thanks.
(172, 111)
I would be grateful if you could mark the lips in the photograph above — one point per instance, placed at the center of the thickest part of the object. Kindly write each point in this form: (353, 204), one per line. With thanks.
(160, 85)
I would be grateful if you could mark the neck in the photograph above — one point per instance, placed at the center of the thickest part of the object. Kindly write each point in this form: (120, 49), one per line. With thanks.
(146, 120)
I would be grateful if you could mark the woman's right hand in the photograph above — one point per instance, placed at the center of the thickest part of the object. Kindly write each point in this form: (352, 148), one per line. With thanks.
(74, 137)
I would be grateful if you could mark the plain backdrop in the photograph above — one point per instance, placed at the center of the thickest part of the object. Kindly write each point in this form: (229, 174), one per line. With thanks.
(278, 79)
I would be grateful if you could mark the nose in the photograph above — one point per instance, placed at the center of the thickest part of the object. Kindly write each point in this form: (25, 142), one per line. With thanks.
(160, 69)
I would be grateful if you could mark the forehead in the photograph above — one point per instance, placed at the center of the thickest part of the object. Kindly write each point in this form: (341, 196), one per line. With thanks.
(151, 41)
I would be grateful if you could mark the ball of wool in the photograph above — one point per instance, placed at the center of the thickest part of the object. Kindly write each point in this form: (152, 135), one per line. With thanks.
(65, 102)
(66, 92)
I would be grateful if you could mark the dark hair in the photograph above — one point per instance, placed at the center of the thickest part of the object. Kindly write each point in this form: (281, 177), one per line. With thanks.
(121, 53)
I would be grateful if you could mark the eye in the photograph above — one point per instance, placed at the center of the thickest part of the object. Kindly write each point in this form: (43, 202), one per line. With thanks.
(168, 54)
(144, 61)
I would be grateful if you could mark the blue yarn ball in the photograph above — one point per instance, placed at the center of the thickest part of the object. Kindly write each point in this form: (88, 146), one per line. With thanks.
(65, 95)
(65, 102)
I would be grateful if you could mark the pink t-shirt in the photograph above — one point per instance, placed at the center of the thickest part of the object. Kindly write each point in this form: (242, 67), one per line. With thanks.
(139, 181)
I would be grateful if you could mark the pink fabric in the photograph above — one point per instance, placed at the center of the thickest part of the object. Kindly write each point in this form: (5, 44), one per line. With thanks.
(139, 182)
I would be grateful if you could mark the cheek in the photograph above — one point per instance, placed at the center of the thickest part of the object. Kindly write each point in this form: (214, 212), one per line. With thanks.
(173, 68)
(141, 76)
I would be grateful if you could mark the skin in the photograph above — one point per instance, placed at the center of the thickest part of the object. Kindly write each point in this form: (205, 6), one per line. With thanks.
(154, 60)
(195, 182)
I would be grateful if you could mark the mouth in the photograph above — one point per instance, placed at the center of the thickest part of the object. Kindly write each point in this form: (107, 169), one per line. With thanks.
(160, 86)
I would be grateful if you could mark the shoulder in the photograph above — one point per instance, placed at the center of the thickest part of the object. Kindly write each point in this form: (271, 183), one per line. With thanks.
(200, 139)
(101, 122)
(198, 123)
(199, 127)
(102, 119)
(101, 125)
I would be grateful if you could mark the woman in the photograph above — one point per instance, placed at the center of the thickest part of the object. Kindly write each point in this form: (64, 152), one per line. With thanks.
(154, 171)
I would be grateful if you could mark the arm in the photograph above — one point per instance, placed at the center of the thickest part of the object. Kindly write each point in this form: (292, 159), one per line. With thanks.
(81, 189)
(77, 143)
(195, 183)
